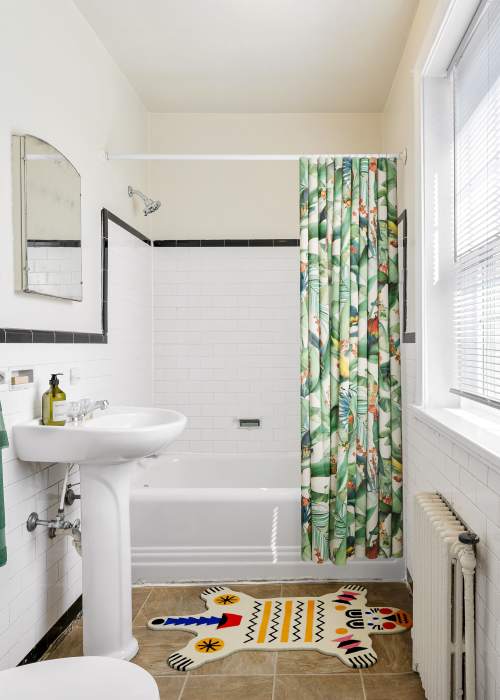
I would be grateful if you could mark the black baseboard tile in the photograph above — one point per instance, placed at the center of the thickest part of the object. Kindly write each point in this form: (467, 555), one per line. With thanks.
(18, 335)
(261, 242)
(227, 243)
(165, 244)
(64, 337)
(55, 631)
(285, 242)
(44, 336)
(236, 243)
(189, 244)
(81, 337)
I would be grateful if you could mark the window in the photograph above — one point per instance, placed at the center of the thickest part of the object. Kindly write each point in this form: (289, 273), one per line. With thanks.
(476, 99)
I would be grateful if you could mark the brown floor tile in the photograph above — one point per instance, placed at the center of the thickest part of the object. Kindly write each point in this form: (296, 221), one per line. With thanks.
(393, 652)
(229, 688)
(139, 596)
(335, 687)
(156, 647)
(70, 645)
(183, 600)
(390, 593)
(170, 600)
(258, 590)
(394, 687)
(244, 663)
(170, 687)
(309, 663)
(310, 589)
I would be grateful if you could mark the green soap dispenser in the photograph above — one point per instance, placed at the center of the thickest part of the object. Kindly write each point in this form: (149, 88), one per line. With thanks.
(54, 403)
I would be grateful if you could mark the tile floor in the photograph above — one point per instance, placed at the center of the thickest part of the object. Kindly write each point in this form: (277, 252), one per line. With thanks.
(287, 675)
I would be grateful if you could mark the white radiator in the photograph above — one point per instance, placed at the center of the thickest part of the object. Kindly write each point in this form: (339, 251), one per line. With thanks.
(443, 600)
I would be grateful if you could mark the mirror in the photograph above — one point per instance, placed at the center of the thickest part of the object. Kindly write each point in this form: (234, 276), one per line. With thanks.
(47, 217)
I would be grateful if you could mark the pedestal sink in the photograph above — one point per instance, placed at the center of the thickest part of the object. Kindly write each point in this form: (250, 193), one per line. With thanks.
(106, 447)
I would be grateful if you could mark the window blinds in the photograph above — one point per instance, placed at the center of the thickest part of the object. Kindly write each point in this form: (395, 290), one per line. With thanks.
(476, 82)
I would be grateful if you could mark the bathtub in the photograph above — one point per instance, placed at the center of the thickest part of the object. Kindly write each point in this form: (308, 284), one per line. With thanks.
(226, 517)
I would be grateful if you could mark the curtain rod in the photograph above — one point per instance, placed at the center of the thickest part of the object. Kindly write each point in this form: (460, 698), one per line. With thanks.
(246, 156)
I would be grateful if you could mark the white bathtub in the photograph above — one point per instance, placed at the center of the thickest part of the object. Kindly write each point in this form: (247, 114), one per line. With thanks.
(221, 517)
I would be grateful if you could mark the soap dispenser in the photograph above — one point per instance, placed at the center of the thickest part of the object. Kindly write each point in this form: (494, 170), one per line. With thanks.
(54, 403)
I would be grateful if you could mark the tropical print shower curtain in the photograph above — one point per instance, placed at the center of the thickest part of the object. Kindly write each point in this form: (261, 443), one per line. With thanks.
(350, 360)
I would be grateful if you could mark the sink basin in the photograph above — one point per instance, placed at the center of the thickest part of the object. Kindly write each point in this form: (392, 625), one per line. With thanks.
(107, 448)
(118, 434)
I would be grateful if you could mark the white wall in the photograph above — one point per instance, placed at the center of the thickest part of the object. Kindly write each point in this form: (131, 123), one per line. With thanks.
(226, 345)
(60, 84)
(433, 462)
(243, 199)
(130, 317)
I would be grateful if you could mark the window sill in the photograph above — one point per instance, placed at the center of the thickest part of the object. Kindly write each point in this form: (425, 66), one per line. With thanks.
(476, 434)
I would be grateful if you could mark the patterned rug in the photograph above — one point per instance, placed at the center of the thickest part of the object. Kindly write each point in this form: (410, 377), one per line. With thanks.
(337, 624)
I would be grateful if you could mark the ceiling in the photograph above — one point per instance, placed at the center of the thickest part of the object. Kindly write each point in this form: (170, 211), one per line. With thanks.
(255, 55)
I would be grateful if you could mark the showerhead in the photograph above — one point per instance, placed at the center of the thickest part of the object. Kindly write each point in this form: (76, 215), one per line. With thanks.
(150, 205)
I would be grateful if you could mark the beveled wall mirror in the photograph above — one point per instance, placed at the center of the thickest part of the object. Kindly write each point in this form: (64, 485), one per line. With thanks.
(47, 219)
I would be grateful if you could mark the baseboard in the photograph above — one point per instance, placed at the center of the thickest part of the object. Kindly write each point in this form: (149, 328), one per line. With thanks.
(159, 565)
(54, 632)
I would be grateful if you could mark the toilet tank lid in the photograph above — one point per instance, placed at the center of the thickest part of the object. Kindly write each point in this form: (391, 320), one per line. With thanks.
(86, 677)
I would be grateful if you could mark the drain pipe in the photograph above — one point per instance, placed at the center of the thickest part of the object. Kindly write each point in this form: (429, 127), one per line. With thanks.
(64, 488)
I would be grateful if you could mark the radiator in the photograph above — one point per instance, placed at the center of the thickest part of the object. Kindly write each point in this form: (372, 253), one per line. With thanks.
(443, 596)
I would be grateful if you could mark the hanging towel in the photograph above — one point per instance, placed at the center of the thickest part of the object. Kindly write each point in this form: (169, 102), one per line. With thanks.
(3, 443)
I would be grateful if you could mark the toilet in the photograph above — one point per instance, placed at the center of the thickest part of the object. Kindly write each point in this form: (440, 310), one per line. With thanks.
(78, 678)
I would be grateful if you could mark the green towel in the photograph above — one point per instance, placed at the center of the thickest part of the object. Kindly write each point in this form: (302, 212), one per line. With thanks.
(3, 443)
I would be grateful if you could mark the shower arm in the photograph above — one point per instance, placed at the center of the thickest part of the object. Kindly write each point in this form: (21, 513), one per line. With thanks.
(147, 200)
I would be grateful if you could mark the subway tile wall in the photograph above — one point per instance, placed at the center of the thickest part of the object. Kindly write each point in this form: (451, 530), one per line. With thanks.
(226, 345)
(42, 577)
(434, 463)
(55, 270)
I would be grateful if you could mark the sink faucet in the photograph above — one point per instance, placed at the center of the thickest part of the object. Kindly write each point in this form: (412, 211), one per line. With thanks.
(79, 410)
(102, 404)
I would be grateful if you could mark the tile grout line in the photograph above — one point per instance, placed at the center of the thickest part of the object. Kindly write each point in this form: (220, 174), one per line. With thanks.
(183, 686)
(141, 607)
(274, 674)
(362, 684)
(275, 666)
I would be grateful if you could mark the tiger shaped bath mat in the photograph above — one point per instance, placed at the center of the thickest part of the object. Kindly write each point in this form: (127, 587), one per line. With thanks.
(338, 624)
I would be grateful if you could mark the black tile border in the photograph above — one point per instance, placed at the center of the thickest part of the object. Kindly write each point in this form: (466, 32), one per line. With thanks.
(227, 243)
(123, 224)
(40, 243)
(54, 632)
(23, 335)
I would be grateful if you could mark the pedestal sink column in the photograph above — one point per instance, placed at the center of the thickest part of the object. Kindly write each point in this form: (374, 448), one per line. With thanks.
(107, 580)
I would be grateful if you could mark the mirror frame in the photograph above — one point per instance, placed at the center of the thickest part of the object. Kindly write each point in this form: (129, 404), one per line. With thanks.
(19, 210)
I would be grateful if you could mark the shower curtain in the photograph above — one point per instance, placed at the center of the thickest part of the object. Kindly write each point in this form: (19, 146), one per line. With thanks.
(350, 360)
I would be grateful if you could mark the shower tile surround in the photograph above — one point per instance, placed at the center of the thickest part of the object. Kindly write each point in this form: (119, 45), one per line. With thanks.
(226, 343)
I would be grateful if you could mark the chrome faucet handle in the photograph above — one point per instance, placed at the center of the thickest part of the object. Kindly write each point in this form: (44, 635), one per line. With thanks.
(74, 411)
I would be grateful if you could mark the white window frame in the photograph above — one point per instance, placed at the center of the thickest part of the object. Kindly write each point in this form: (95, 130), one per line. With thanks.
(468, 424)
(437, 192)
